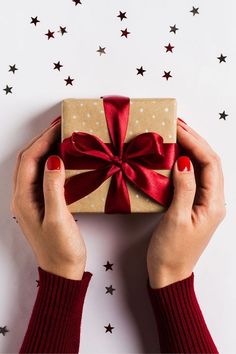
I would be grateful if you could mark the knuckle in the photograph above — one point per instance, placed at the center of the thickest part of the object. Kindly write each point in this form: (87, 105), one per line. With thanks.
(215, 158)
(218, 212)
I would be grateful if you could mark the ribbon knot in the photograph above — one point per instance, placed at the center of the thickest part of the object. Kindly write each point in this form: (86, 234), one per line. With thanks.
(133, 161)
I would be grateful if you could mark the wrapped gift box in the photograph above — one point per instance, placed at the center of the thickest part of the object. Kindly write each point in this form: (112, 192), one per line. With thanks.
(145, 115)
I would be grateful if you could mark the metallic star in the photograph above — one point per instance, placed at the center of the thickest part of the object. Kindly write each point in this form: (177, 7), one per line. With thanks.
(110, 289)
(62, 30)
(34, 20)
(140, 70)
(169, 48)
(57, 66)
(167, 75)
(8, 89)
(50, 34)
(195, 11)
(13, 68)
(222, 58)
(108, 266)
(173, 29)
(109, 328)
(3, 330)
(122, 15)
(77, 2)
(223, 115)
(101, 50)
(125, 33)
(69, 81)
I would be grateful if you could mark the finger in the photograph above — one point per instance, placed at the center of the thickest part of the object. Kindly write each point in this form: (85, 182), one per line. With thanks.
(28, 166)
(53, 187)
(27, 147)
(184, 188)
(211, 175)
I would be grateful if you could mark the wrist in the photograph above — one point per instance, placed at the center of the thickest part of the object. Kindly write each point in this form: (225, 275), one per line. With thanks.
(72, 271)
(163, 277)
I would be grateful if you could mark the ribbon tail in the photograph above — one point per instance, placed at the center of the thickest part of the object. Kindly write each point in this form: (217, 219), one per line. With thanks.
(117, 200)
(82, 184)
(152, 183)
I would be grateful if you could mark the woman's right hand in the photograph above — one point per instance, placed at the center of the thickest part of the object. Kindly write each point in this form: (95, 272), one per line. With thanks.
(197, 208)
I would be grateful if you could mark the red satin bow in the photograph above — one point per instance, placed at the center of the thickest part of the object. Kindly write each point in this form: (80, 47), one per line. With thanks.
(133, 161)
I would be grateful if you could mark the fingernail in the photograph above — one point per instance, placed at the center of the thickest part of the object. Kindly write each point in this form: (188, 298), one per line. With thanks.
(182, 121)
(53, 163)
(183, 163)
(55, 121)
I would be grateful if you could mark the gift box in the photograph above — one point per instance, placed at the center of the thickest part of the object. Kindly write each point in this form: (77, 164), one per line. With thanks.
(118, 153)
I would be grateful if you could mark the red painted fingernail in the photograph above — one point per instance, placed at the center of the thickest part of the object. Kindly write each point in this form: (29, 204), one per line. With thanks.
(182, 121)
(53, 163)
(183, 163)
(55, 121)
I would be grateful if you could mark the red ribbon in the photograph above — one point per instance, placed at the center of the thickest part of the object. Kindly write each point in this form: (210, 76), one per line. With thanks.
(133, 161)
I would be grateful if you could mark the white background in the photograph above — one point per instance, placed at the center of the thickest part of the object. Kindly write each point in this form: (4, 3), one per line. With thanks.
(203, 88)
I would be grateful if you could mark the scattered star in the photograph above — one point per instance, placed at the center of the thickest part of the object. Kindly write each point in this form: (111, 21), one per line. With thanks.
(169, 48)
(4, 330)
(37, 281)
(62, 30)
(8, 89)
(108, 266)
(110, 289)
(173, 29)
(140, 70)
(223, 115)
(109, 328)
(101, 50)
(50, 34)
(122, 15)
(167, 75)
(69, 81)
(222, 58)
(195, 11)
(125, 33)
(57, 66)
(15, 219)
(13, 68)
(34, 20)
(77, 2)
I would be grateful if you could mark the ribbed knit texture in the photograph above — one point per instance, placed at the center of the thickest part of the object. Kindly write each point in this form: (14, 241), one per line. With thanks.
(55, 322)
(180, 322)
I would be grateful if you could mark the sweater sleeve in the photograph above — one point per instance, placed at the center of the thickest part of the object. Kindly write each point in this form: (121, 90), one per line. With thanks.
(180, 322)
(55, 322)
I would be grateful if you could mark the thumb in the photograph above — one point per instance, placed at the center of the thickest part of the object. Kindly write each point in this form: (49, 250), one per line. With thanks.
(184, 186)
(53, 185)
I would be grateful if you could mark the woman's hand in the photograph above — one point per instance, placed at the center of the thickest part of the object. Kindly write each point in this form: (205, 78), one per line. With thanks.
(197, 208)
(39, 206)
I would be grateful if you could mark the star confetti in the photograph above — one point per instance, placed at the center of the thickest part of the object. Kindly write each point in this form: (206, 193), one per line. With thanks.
(4, 330)
(140, 70)
(109, 328)
(169, 48)
(8, 89)
(101, 50)
(37, 281)
(223, 115)
(50, 34)
(222, 58)
(77, 2)
(62, 30)
(108, 266)
(13, 68)
(34, 20)
(167, 75)
(57, 66)
(122, 15)
(69, 81)
(195, 11)
(173, 29)
(125, 33)
(110, 289)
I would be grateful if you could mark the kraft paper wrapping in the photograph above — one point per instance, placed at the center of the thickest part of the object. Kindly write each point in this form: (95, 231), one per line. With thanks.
(146, 115)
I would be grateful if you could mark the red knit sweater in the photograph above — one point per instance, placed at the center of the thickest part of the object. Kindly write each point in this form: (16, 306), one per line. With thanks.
(55, 322)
